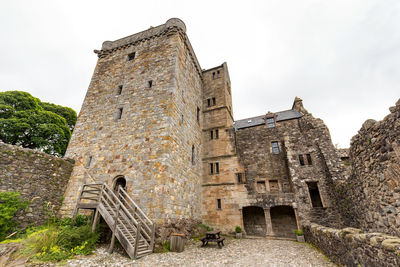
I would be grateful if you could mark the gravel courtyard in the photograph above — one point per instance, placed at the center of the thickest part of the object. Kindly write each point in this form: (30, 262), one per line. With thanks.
(244, 252)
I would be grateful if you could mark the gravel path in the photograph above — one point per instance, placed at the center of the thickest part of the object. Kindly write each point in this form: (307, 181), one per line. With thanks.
(242, 252)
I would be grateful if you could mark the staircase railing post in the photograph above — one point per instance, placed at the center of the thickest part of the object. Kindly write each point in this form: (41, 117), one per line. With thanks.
(110, 250)
(153, 231)
(137, 239)
(96, 215)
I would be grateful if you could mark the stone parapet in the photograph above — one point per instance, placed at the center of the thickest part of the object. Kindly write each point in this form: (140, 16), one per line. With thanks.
(352, 247)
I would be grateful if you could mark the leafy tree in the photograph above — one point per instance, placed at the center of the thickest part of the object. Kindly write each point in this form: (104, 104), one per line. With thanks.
(30, 123)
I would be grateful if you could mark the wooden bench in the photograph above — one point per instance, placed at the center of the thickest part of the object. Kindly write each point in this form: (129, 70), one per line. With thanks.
(213, 236)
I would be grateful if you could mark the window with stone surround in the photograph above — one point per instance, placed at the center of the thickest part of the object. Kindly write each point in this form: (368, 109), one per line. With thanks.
(239, 177)
(119, 90)
(273, 185)
(218, 74)
(213, 75)
(211, 168)
(301, 160)
(119, 113)
(131, 56)
(214, 102)
(211, 134)
(219, 206)
(193, 154)
(216, 134)
(271, 122)
(198, 114)
(150, 84)
(216, 167)
(261, 186)
(309, 161)
(275, 147)
(208, 102)
(88, 161)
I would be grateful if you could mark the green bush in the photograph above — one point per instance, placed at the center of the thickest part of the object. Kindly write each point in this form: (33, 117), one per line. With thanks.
(298, 232)
(238, 229)
(10, 204)
(60, 241)
(205, 227)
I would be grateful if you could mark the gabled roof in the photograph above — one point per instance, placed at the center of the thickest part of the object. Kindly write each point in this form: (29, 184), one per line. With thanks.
(259, 120)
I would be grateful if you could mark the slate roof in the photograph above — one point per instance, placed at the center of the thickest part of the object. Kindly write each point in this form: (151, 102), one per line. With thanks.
(259, 120)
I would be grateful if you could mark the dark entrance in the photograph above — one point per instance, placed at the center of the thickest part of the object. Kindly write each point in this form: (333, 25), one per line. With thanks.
(119, 181)
(254, 221)
(314, 195)
(283, 221)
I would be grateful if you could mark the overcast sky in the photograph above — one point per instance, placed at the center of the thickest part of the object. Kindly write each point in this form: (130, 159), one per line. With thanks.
(341, 57)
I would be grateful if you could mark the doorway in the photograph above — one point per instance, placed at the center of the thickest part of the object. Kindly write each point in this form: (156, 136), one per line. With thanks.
(283, 221)
(254, 221)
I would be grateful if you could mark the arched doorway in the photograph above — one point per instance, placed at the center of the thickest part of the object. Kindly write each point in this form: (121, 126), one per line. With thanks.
(119, 181)
(283, 221)
(254, 221)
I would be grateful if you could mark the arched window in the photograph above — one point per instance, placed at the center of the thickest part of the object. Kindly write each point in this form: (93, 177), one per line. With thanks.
(119, 181)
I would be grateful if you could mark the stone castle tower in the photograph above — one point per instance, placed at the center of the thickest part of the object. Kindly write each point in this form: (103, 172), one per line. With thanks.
(154, 122)
(140, 123)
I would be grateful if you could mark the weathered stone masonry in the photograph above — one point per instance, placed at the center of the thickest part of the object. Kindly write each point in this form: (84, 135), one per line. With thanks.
(39, 177)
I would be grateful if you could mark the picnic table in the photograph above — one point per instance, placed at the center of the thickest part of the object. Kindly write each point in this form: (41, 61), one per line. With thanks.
(213, 236)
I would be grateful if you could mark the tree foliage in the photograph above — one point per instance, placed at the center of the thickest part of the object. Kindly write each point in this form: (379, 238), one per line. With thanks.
(10, 204)
(30, 123)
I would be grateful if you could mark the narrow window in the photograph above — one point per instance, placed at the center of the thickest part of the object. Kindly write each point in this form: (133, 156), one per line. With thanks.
(261, 186)
(208, 102)
(88, 161)
(218, 74)
(213, 75)
(314, 195)
(193, 155)
(150, 83)
(271, 122)
(309, 161)
(119, 91)
(273, 185)
(216, 134)
(219, 203)
(217, 167)
(214, 101)
(211, 134)
(211, 168)
(119, 113)
(301, 159)
(131, 56)
(182, 119)
(183, 94)
(275, 147)
(239, 178)
(198, 114)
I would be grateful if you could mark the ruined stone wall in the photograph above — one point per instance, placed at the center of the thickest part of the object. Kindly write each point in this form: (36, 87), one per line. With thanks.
(352, 247)
(370, 198)
(151, 144)
(39, 177)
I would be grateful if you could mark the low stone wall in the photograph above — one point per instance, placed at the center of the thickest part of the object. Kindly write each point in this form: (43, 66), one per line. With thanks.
(39, 177)
(352, 247)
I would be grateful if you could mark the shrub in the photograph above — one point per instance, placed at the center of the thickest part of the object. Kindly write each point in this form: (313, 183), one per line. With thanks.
(60, 241)
(205, 227)
(10, 204)
(238, 229)
(298, 232)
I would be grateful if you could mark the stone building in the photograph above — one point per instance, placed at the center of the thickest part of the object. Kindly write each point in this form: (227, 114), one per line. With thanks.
(156, 123)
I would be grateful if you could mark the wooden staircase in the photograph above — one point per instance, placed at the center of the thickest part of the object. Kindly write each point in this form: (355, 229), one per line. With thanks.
(128, 223)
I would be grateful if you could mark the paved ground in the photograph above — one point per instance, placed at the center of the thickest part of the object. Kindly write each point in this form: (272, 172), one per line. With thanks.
(244, 252)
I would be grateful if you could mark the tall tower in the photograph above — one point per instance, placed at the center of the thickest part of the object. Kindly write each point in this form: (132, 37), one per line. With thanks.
(140, 124)
(221, 167)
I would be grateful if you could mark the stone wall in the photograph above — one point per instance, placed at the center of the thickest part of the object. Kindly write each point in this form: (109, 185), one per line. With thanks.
(39, 177)
(370, 198)
(352, 247)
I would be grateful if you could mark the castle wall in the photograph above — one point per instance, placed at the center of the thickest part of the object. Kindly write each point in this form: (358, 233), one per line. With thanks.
(39, 177)
(151, 144)
(370, 198)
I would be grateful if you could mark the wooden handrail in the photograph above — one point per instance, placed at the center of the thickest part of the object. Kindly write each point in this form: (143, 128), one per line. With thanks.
(136, 206)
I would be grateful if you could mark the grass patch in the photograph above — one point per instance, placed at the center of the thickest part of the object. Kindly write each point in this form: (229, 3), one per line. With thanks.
(58, 241)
